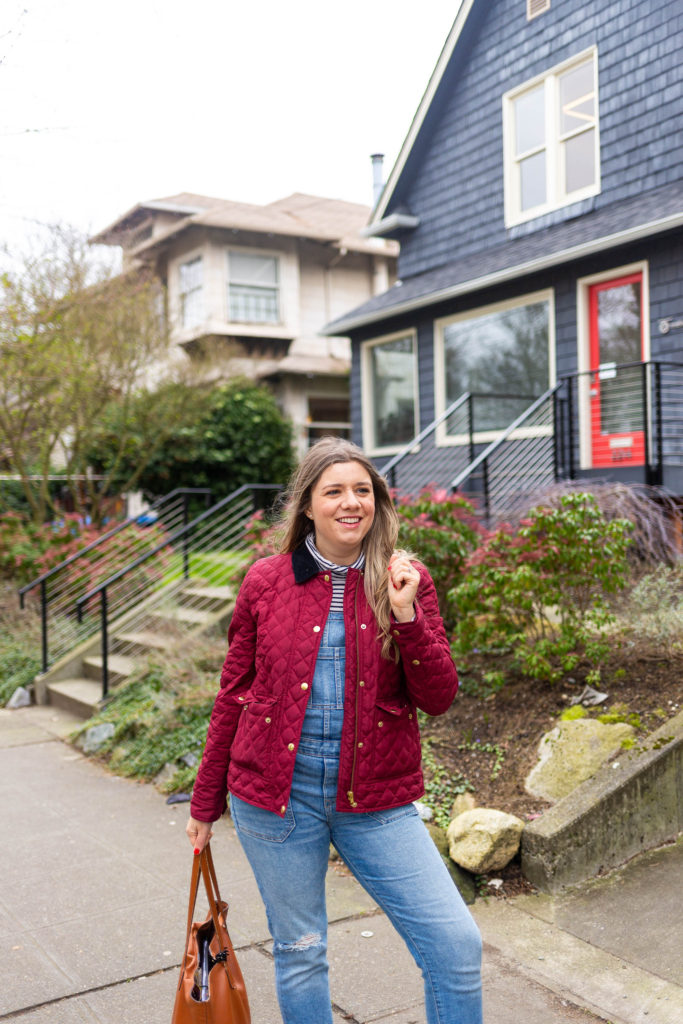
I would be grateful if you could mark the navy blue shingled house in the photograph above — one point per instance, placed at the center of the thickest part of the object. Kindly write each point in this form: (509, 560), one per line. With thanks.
(535, 333)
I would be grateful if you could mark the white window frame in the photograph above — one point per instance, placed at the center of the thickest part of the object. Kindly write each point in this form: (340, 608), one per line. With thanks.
(272, 254)
(556, 194)
(583, 338)
(443, 439)
(186, 261)
(367, 398)
(536, 7)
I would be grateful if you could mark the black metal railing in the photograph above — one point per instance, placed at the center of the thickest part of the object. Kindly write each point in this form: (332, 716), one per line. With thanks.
(209, 551)
(520, 462)
(60, 587)
(449, 444)
(621, 416)
(592, 423)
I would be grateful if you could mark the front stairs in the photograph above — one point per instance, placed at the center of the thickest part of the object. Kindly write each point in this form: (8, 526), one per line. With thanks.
(75, 682)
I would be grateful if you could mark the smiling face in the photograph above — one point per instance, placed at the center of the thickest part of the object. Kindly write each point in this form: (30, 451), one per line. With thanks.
(342, 509)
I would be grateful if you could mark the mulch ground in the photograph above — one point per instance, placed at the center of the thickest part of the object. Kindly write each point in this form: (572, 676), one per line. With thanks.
(647, 681)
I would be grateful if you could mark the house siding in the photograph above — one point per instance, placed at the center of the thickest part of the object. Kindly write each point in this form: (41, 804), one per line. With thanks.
(456, 187)
(665, 265)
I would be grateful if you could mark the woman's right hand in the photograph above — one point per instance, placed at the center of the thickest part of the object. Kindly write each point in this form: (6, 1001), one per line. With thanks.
(199, 833)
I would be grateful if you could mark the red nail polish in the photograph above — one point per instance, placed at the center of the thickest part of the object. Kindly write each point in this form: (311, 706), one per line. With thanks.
(197, 852)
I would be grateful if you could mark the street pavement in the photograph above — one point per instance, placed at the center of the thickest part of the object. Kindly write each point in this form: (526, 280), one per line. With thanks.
(95, 874)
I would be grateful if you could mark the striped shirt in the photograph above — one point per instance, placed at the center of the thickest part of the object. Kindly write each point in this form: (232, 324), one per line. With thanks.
(337, 573)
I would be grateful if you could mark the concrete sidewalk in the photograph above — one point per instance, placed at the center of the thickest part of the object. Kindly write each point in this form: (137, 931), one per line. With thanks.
(93, 902)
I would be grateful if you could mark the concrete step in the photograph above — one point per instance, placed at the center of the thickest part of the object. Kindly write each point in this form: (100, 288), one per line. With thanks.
(206, 598)
(140, 642)
(79, 696)
(172, 617)
(119, 667)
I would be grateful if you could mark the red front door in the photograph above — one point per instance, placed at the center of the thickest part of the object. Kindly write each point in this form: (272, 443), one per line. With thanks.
(617, 395)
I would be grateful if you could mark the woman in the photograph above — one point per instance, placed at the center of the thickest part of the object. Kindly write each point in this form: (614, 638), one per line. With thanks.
(334, 645)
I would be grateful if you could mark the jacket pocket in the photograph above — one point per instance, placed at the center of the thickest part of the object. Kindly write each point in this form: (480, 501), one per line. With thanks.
(395, 740)
(253, 745)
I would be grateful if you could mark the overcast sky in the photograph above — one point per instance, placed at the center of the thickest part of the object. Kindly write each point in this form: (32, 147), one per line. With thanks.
(104, 105)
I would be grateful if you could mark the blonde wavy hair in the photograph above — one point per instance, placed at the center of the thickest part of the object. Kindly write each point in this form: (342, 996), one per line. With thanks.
(378, 544)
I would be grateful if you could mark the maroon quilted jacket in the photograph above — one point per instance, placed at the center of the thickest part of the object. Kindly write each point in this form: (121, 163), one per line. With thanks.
(274, 636)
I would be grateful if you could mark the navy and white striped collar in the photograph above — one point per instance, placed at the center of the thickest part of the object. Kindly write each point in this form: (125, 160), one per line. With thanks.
(325, 563)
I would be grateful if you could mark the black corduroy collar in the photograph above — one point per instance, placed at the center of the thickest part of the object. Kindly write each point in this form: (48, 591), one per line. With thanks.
(304, 564)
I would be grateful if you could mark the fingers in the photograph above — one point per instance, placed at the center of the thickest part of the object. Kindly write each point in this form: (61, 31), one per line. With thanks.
(199, 833)
(402, 572)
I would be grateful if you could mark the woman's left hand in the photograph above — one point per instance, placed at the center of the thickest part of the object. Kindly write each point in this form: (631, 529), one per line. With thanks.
(403, 583)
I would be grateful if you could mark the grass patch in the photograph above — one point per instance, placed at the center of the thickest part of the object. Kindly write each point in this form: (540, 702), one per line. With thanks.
(213, 566)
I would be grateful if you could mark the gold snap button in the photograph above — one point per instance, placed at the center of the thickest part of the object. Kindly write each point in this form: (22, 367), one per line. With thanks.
(362, 682)
(304, 686)
(268, 721)
(410, 715)
(380, 724)
(316, 629)
(326, 577)
(360, 744)
(290, 746)
(283, 809)
(363, 626)
(396, 633)
(416, 661)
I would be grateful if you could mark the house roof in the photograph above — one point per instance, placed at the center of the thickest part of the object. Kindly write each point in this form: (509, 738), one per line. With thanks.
(298, 215)
(618, 224)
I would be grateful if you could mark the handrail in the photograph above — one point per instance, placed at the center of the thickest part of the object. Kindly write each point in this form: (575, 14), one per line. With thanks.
(170, 540)
(102, 588)
(105, 536)
(453, 407)
(620, 366)
(494, 445)
(464, 399)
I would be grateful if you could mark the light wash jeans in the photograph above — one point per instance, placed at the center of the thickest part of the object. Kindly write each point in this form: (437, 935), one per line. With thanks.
(390, 853)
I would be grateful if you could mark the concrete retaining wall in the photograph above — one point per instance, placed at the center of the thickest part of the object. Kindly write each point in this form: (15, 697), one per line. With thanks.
(632, 804)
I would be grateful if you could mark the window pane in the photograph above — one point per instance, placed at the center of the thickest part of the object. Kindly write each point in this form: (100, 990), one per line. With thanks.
(579, 161)
(392, 389)
(530, 120)
(254, 305)
(191, 275)
(620, 336)
(532, 184)
(251, 268)
(577, 98)
(504, 353)
(191, 301)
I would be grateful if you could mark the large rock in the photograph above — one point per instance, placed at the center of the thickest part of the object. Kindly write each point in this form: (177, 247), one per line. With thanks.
(572, 753)
(96, 736)
(483, 839)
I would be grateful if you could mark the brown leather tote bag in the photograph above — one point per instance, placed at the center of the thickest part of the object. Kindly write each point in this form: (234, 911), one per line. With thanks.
(211, 987)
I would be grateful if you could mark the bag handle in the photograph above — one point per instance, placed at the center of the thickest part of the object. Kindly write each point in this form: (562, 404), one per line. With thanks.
(202, 865)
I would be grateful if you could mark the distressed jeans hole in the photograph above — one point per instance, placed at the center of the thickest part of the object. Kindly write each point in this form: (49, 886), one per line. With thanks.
(305, 942)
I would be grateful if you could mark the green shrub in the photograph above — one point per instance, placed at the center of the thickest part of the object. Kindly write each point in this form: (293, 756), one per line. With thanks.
(19, 645)
(540, 593)
(654, 608)
(441, 530)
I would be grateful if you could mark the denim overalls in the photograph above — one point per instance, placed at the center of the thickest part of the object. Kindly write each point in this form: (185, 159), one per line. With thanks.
(390, 853)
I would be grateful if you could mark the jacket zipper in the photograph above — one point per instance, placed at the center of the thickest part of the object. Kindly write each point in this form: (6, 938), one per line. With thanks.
(349, 794)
